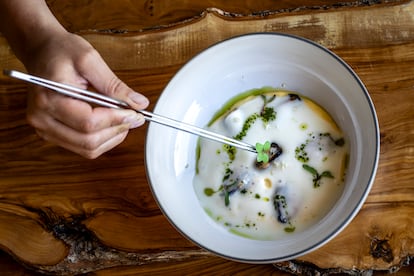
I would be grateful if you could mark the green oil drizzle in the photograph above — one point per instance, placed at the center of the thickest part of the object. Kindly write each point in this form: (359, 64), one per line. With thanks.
(246, 126)
(238, 233)
(209, 213)
(238, 99)
(267, 114)
(300, 153)
(198, 153)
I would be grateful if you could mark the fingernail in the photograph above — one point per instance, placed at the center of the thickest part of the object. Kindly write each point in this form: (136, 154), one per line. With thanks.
(134, 121)
(122, 128)
(139, 99)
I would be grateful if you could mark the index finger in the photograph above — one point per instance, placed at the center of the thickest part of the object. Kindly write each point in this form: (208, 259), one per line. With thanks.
(105, 81)
(85, 118)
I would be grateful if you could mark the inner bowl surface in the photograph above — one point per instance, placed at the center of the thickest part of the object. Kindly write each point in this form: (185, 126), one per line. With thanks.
(236, 65)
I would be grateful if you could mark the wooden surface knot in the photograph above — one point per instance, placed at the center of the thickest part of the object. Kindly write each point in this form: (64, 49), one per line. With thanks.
(381, 249)
(70, 230)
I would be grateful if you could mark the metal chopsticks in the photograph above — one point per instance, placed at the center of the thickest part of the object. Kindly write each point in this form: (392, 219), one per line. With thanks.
(106, 101)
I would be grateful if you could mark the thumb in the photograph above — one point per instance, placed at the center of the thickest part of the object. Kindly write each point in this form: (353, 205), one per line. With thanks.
(101, 77)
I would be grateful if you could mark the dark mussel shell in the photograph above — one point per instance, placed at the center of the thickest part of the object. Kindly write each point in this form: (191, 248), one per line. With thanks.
(274, 152)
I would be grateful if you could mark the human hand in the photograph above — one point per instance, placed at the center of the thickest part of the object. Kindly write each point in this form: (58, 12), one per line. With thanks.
(70, 123)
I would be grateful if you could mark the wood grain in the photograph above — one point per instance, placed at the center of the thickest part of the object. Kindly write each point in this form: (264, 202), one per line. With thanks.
(60, 213)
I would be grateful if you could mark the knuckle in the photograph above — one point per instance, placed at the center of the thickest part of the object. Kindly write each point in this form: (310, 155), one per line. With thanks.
(38, 106)
(42, 135)
(90, 154)
(88, 54)
(38, 100)
(114, 85)
(90, 144)
(88, 125)
(34, 119)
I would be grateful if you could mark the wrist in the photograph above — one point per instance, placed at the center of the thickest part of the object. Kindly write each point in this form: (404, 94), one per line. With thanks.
(40, 44)
(27, 25)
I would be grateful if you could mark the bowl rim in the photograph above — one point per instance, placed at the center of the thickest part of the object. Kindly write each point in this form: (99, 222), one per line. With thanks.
(361, 200)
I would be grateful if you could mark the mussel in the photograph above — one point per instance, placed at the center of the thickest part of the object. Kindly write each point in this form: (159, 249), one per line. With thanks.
(233, 182)
(274, 152)
(286, 204)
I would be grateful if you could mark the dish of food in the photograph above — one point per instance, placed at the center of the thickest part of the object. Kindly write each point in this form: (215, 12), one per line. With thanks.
(223, 71)
(292, 186)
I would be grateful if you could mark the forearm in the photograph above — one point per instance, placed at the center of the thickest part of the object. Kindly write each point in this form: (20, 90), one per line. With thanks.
(26, 24)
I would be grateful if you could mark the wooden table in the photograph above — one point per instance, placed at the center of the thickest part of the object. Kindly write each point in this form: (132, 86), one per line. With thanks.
(60, 213)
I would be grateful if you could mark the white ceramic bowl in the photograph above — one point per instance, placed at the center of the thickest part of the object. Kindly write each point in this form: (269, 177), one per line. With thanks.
(236, 65)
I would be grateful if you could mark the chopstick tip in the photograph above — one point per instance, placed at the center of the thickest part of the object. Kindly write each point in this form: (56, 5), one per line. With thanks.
(6, 72)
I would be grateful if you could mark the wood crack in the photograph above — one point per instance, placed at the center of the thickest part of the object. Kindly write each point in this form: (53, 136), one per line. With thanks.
(86, 253)
(306, 268)
(254, 15)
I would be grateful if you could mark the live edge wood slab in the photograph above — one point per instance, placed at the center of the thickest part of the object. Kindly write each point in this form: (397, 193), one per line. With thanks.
(60, 213)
